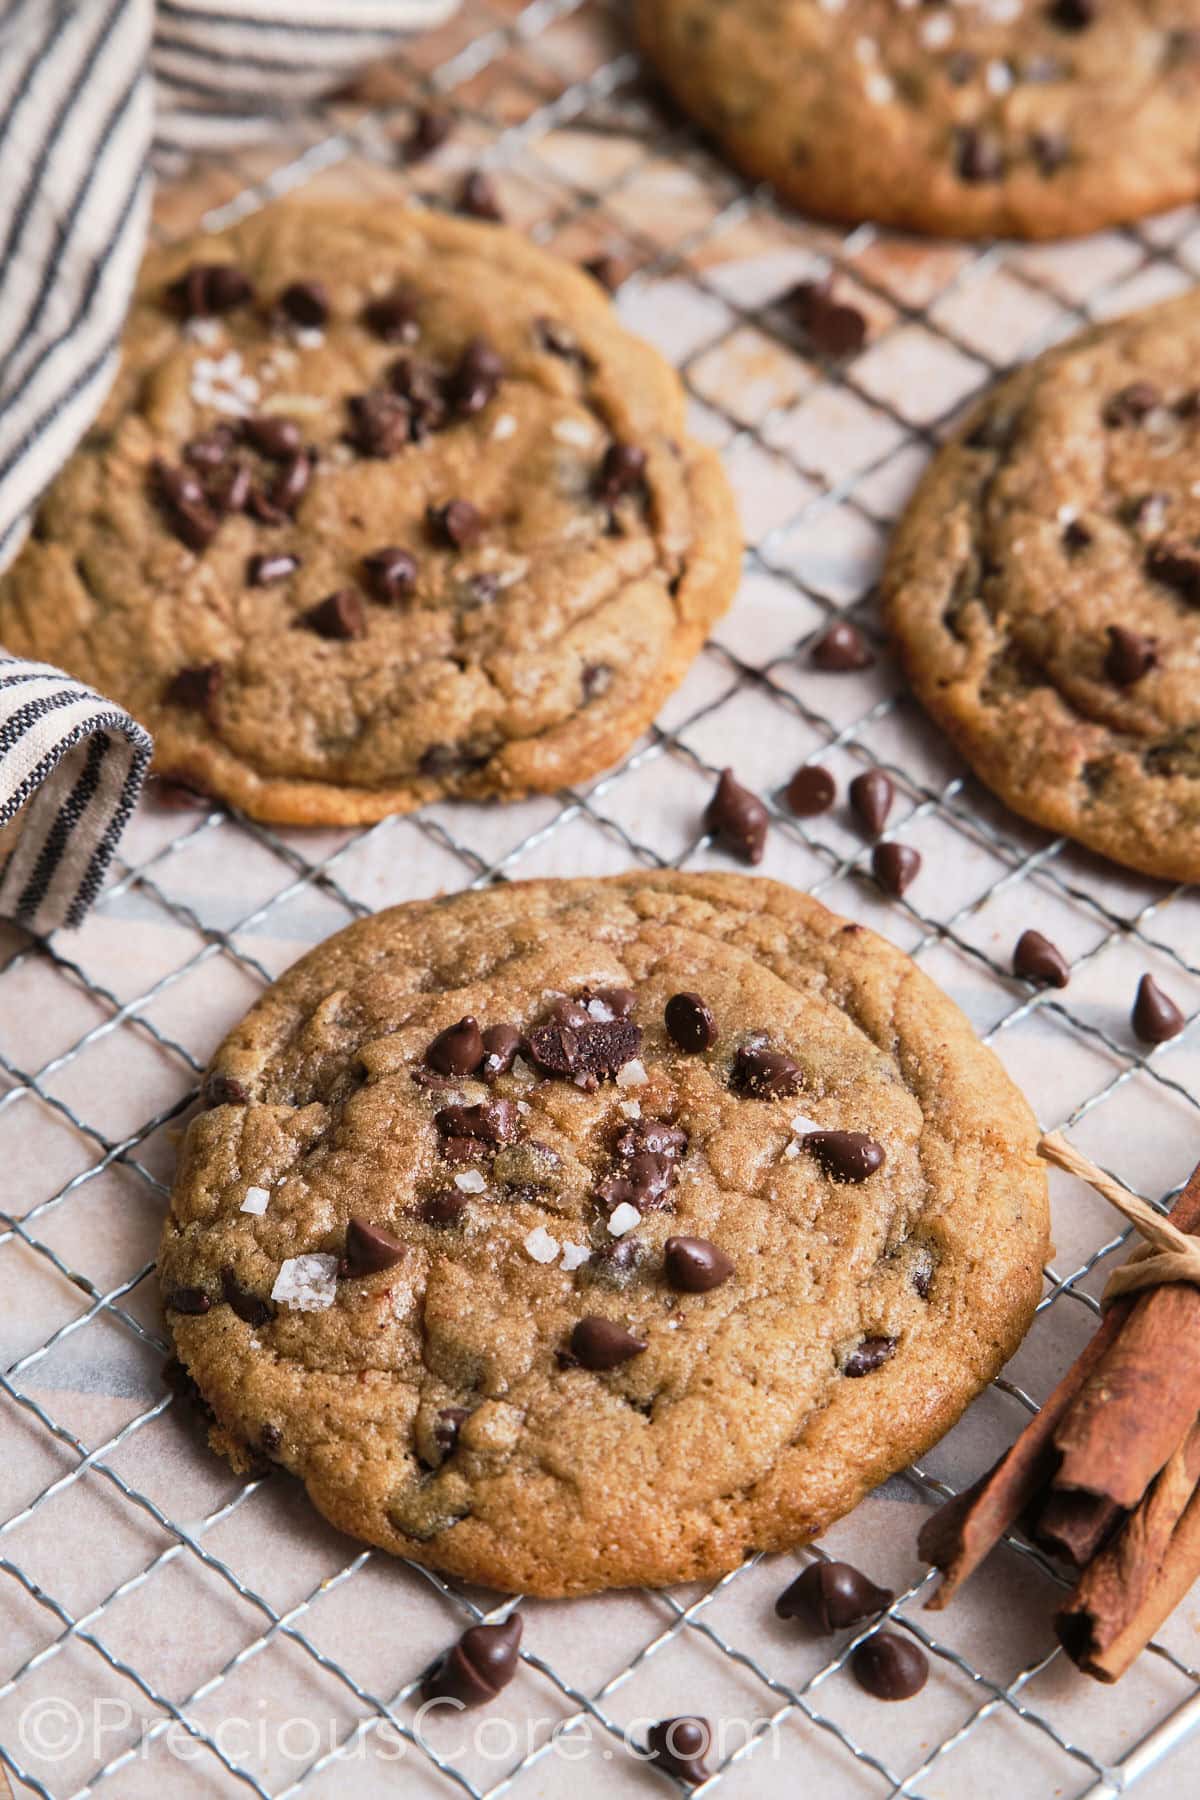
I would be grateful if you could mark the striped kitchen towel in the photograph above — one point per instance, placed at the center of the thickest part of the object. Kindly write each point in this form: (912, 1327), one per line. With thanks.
(88, 90)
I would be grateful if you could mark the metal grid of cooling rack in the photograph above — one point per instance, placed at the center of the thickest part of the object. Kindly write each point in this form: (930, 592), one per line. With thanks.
(547, 95)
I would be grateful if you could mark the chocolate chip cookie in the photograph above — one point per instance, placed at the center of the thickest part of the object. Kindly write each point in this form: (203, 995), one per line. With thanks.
(1031, 118)
(581, 1233)
(1044, 590)
(385, 506)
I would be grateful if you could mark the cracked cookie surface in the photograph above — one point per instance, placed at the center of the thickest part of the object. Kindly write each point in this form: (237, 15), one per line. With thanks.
(1030, 118)
(543, 1282)
(1044, 590)
(384, 506)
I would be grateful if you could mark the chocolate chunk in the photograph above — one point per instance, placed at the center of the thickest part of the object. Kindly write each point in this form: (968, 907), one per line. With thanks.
(339, 616)
(379, 423)
(871, 797)
(870, 1355)
(767, 1074)
(191, 1300)
(224, 1090)
(260, 506)
(271, 567)
(842, 649)
(596, 1048)
(622, 472)
(211, 449)
(1073, 15)
(447, 1426)
(196, 688)
(248, 1307)
(458, 1050)
(491, 1122)
(276, 438)
(1130, 405)
(620, 1001)
(500, 1046)
(369, 1248)
(390, 574)
(430, 130)
(617, 1264)
(845, 1155)
(646, 1180)
(393, 319)
(209, 288)
(185, 504)
(1155, 1015)
(572, 1013)
(444, 1208)
(305, 303)
(599, 1343)
(811, 790)
(530, 1167)
(483, 1661)
(478, 375)
(1131, 655)
(291, 484)
(478, 198)
(832, 327)
(978, 155)
(829, 1596)
(678, 1747)
(896, 867)
(1037, 959)
(657, 1136)
(690, 1023)
(695, 1266)
(737, 818)
(1176, 567)
(462, 1149)
(457, 523)
(452, 759)
(890, 1667)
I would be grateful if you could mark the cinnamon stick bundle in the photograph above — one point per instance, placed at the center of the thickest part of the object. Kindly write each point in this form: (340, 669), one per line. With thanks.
(1106, 1475)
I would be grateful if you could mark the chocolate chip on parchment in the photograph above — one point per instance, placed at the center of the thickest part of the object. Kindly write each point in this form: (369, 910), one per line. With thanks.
(430, 130)
(845, 1155)
(622, 471)
(390, 574)
(491, 1122)
(766, 1074)
(305, 303)
(1131, 654)
(444, 1208)
(1037, 959)
(369, 1248)
(737, 818)
(191, 1300)
(196, 688)
(249, 1307)
(871, 798)
(1155, 1015)
(598, 1343)
(1177, 567)
(896, 867)
(500, 1046)
(811, 790)
(477, 197)
(978, 154)
(868, 1356)
(483, 1661)
(842, 649)
(475, 380)
(380, 423)
(277, 438)
(393, 318)
(340, 616)
(270, 567)
(829, 1596)
(679, 1746)
(209, 288)
(1130, 405)
(456, 523)
(890, 1667)
(690, 1022)
(458, 1050)
(695, 1266)
(833, 328)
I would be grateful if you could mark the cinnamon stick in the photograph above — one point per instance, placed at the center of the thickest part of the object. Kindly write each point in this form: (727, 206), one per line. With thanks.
(1132, 1586)
(1073, 1526)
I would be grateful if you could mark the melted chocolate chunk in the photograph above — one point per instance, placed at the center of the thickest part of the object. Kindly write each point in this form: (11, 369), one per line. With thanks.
(596, 1048)
(249, 1307)
(500, 1046)
(478, 197)
(444, 1208)
(185, 505)
(870, 1355)
(271, 567)
(305, 303)
(192, 1300)
(276, 438)
(978, 155)
(1130, 405)
(380, 423)
(393, 319)
(491, 1122)
(1131, 654)
(476, 379)
(623, 471)
(390, 574)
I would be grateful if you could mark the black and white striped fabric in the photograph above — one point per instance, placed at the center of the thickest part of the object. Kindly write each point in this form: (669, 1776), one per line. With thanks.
(88, 90)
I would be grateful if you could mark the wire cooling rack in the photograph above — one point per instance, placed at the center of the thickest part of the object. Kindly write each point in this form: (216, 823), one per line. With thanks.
(166, 1622)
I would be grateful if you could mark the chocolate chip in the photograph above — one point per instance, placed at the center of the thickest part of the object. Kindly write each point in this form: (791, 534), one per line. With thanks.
(737, 818)
(228, 489)
(393, 319)
(474, 382)
(270, 1437)
(196, 687)
(829, 1596)
(458, 1050)
(457, 523)
(491, 1122)
(599, 1343)
(767, 1074)
(369, 1248)
(248, 1307)
(678, 1747)
(390, 574)
(658, 1136)
(1037, 959)
(871, 798)
(444, 1208)
(1131, 655)
(622, 472)
(572, 1013)
(209, 288)
(978, 156)
(191, 1300)
(620, 1001)
(896, 867)
(305, 303)
(271, 567)
(291, 484)
(379, 423)
(500, 1046)
(845, 1155)
(559, 340)
(890, 1667)
(1073, 15)
(211, 449)
(452, 759)
(870, 1355)
(597, 1048)
(841, 649)
(447, 1426)
(185, 504)
(690, 1023)
(833, 328)
(340, 616)
(277, 438)
(419, 385)
(1051, 150)
(617, 1264)
(1130, 405)
(1155, 1015)
(1076, 535)
(478, 197)
(695, 1266)
(811, 790)
(260, 506)
(1176, 567)
(645, 1182)
(224, 1090)
(595, 681)
(430, 130)
(483, 1661)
